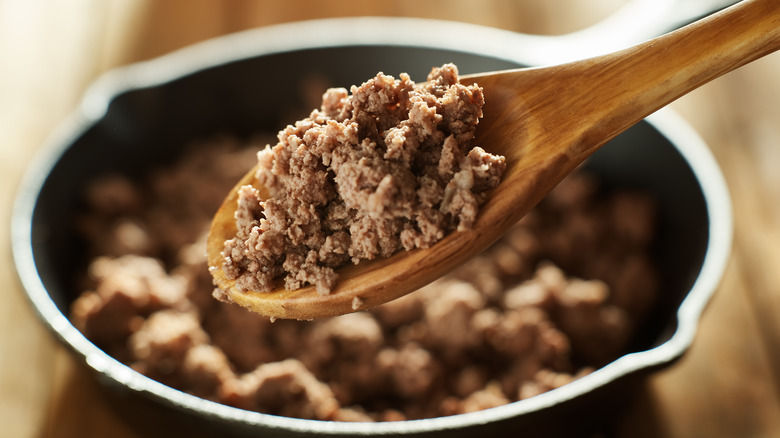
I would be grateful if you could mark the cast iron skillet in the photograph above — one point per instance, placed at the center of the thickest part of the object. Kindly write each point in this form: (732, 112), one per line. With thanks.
(145, 113)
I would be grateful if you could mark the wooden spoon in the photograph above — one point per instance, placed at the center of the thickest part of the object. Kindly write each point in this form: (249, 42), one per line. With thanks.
(546, 121)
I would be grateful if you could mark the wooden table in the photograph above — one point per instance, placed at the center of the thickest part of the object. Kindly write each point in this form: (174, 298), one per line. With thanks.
(727, 385)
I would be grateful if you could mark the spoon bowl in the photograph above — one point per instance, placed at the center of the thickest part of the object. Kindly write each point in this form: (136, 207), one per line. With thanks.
(545, 121)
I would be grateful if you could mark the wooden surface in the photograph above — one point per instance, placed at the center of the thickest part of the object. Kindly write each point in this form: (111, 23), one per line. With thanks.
(727, 385)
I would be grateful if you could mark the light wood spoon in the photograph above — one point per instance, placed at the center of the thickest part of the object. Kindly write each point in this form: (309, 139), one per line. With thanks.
(546, 121)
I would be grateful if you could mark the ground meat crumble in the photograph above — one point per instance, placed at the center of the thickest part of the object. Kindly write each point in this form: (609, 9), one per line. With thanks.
(385, 167)
(561, 294)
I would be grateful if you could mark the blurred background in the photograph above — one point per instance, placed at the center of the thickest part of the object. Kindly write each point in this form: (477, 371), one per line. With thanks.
(50, 51)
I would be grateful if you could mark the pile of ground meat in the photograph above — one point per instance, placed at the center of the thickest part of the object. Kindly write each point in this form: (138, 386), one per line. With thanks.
(560, 295)
(386, 167)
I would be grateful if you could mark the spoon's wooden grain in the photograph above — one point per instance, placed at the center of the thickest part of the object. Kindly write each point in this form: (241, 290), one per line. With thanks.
(546, 121)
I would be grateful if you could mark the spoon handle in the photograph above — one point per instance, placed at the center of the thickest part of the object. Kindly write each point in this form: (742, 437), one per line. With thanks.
(636, 82)
(597, 98)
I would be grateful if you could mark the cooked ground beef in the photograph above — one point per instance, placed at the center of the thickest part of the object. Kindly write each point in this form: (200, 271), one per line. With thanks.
(389, 166)
(558, 296)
